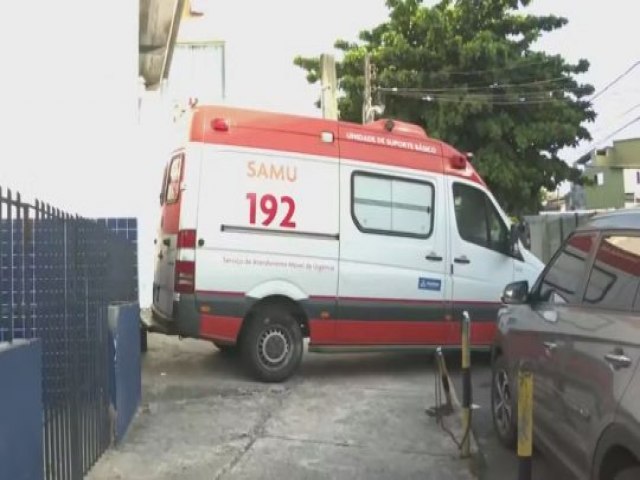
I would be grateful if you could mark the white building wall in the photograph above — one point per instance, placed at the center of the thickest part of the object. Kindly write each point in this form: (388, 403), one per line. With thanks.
(631, 186)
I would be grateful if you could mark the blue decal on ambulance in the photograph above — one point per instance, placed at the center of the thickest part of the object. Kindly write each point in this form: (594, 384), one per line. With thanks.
(429, 284)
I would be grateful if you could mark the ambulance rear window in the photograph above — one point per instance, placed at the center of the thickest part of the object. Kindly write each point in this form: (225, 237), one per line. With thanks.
(392, 205)
(163, 187)
(173, 182)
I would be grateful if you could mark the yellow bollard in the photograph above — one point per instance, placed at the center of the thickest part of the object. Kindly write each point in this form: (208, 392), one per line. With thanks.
(525, 423)
(465, 449)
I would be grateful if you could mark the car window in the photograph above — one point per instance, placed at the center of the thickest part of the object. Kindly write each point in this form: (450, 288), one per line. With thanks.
(614, 278)
(392, 205)
(565, 274)
(478, 220)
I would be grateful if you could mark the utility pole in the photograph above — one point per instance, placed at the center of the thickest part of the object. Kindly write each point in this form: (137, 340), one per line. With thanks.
(367, 112)
(328, 83)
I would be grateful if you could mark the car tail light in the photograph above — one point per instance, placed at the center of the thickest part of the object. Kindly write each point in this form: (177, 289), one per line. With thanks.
(187, 239)
(185, 277)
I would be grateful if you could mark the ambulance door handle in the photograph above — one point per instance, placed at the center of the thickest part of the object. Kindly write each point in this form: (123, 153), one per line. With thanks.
(463, 260)
(434, 257)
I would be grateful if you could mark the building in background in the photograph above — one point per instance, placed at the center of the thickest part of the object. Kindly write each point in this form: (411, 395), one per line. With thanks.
(615, 177)
(198, 63)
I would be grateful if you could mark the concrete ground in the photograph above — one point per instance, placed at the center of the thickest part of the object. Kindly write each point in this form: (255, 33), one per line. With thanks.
(342, 416)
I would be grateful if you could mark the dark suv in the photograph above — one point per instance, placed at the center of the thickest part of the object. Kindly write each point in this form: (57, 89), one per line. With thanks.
(578, 329)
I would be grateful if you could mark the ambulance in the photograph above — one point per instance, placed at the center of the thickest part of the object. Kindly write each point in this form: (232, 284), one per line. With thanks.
(277, 228)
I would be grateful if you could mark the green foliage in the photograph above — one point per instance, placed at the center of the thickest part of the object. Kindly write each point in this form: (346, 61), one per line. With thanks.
(465, 70)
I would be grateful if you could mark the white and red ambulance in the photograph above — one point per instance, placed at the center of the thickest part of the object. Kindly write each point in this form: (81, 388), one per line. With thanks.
(276, 227)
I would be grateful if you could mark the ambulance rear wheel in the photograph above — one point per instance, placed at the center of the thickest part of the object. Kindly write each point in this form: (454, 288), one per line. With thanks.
(272, 344)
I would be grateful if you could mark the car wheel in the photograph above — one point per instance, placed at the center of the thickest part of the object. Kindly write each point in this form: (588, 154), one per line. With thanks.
(225, 349)
(272, 344)
(632, 473)
(503, 403)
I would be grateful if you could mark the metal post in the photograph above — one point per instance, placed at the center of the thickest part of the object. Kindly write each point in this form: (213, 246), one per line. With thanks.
(525, 423)
(329, 85)
(444, 377)
(366, 101)
(466, 385)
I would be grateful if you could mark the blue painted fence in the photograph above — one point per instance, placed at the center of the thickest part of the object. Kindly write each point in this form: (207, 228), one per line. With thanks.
(21, 411)
(124, 326)
(58, 275)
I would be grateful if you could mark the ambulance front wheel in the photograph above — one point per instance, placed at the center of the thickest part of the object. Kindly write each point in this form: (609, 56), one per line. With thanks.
(272, 344)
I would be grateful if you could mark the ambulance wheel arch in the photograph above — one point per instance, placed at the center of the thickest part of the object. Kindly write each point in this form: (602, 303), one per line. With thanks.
(271, 338)
(280, 294)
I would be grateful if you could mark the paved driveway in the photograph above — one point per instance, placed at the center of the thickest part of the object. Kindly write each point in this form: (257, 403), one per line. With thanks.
(342, 416)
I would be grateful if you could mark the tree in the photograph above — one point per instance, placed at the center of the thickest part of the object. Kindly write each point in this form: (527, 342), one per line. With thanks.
(467, 72)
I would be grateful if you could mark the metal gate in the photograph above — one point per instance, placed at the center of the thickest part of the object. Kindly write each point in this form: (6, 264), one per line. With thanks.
(57, 276)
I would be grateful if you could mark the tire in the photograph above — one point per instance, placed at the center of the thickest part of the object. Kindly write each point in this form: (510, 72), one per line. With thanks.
(143, 340)
(503, 403)
(272, 344)
(632, 473)
(226, 350)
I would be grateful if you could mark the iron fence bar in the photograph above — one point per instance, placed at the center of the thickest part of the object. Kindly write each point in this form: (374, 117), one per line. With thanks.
(66, 350)
(18, 253)
(3, 324)
(10, 297)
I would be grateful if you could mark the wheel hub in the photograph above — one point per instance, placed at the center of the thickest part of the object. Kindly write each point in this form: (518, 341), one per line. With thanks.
(273, 346)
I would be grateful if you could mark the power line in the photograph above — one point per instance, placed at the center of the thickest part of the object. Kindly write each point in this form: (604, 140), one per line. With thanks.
(629, 110)
(615, 80)
(493, 86)
(625, 126)
(618, 117)
(594, 145)
(481, 98)
(541, 94)
(497, 69)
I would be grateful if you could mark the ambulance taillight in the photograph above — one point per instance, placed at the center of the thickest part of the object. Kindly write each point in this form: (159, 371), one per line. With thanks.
(185, 276)
(185, 265)
(187, 239)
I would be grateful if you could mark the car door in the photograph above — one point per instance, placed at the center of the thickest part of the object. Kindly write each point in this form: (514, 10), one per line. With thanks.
(556, 300)
(480, 265)
(392, 278)
(599, 348)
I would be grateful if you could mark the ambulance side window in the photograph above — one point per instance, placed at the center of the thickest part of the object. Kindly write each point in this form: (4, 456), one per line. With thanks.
(391, 205)
(478, 220)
